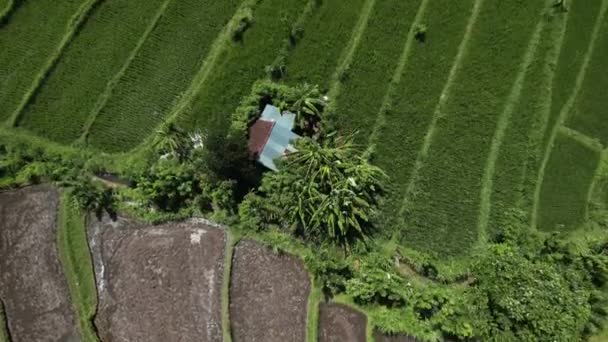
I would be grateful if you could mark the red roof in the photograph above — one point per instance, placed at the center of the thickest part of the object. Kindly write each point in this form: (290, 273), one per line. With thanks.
(258, 136)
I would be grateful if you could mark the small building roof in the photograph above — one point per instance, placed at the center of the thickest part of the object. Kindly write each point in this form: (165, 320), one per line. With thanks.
(271, 136)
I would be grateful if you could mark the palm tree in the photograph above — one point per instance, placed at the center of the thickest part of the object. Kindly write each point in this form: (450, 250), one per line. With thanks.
(308, 107)
(172, 140)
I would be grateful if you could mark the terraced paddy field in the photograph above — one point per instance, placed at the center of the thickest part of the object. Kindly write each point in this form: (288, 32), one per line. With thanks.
(341, 323)
(478, 110)
(33, 290)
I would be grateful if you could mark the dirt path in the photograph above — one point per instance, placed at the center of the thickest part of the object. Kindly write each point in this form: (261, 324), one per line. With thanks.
(268, 295)
(32, 285)
(160, 283)
(338, 322)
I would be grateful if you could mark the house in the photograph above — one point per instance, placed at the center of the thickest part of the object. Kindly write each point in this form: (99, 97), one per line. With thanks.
(270, 137)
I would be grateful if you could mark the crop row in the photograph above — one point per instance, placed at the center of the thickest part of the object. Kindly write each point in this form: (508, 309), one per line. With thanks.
(30, 41)
(566, 184)
(367, 79)
(519, 155)
(241, 64)
(326, 35)
(581, 19)
(160, 73)
(591, 108)
(99, 51)
(410, 114)
(443, 217)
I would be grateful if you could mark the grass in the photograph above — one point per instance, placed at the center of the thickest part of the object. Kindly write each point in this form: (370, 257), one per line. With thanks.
(231, 242)
(70, 92)
(326, 35)
(445, 204)
(5, 8)
(408, 117)
(241, 64)
(77, 265)
(156, 78)
(581, 20)
(524, 131)
(566, 185)
(368, 77)
(31, 41)
(589, 114)
(312, 318)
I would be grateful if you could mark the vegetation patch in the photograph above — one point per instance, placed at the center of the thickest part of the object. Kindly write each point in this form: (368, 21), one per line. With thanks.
(5, 8)
(582, 16)
(408, 118)
(30, 40)
(590, 107)
(445, 207)
(325, 37)
(74, 87)
(160, 73)
(366, 80)
(77, 264)
(242, 63)
(566, 185)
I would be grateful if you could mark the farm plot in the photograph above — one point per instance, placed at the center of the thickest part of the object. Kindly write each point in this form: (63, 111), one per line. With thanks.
(163, 69)
(338, 322)
(443, 214)
(158, 283)
(591, 108)
(268, 295)
(566, 184)
(581, 20)
(519, 155)
(97, 53)
(379, 337)
(408, 118)
(241, 64)
(367, 79)
(326, 36)
(32, 286)
(31, 40)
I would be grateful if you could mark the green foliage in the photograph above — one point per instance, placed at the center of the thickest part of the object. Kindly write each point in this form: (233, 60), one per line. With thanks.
(409, 115)
(530, 300)
(444, 211)
(29, 30)
(587, 115)
(160, 73)
(91, 196)
(326, 35)
(77, 264)
(241, 64)
(72, 90)
(367, 79)
(566, 184)
(322, 192)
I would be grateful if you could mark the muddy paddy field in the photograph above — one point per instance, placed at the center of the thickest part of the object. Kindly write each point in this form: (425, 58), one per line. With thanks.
(155, 283)
(160, 283)
(33, 289)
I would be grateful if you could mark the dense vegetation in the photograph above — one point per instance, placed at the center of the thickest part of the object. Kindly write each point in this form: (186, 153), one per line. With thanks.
(451, 179)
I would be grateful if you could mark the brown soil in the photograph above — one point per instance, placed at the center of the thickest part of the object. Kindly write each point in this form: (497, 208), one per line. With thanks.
(268, 295)
(338, 323)
(379, 337)
(160, 283)
(32, 285)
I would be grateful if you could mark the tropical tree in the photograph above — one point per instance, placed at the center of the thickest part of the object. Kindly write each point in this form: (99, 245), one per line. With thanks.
(172, 140)
(324, 191)
(308, 106)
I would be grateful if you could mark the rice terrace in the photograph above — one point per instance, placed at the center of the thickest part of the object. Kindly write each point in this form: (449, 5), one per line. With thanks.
(303, 170)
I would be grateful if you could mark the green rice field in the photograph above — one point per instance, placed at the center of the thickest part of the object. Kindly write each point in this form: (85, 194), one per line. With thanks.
(474, 108)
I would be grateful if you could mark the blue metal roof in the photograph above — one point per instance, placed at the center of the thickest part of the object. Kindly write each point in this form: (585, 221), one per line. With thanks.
(280, 137)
